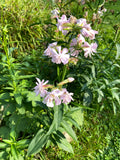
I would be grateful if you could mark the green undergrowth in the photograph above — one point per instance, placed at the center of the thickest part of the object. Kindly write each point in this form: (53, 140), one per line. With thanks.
(98, 139)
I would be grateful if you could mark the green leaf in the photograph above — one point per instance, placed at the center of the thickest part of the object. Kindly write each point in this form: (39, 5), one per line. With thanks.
(115, 94)
(7, 141)
(88, 96)
(5, 96)
(25, 76)
(72, 121)
(23, 143)
(69, 129)
(18, 98)
(117, 81)
(114, 108)
(65, 145)
(3, 145)
(38, 142)
(118, 51)
(14, 152)
(58, 114)
(93, 71)
(31, 97)
(3, 155)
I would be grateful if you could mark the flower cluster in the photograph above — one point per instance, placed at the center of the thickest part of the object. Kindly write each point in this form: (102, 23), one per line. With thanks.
(77, 44)
(56, 95)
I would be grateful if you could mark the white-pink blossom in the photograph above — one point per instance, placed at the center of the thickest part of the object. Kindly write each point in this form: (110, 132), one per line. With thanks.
(80, 39)
(53, 97)
(55, 13)
(62, 24)
(89, 33)
(73, 42)
(47, 52)
(66, 97)
(60, 56)
(41, 87)
(81, 22)
(89, 49)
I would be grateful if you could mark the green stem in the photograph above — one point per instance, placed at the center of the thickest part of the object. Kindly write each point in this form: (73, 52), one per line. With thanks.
(64, 72)
(58, 72)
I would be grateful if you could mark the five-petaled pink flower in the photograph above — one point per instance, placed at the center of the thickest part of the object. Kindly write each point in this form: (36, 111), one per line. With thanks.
(89, 49)
(47, 52)
(53, 97)
(89, 33)
(62, 24)
(66, 97)
(41, 87)
(60, 56)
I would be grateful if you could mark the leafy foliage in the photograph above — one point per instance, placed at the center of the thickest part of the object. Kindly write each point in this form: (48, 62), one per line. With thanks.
(26, 124)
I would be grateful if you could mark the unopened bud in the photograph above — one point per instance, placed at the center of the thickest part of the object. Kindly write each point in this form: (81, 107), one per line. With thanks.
(71, 79)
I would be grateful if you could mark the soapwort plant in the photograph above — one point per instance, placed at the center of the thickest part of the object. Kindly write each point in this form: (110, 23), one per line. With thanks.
(72, 41)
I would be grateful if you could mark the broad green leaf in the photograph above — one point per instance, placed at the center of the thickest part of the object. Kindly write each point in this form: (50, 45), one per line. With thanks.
(18, 98)
(72, 121)
(14, 152)
(5, 96)
(3, 145)
(58, 114)
(88, 96)
(3, 155)
(7, 141)
(38, 142)
(65, 145)
(118, 51)
(60, 140)
(68, 129)
(23, 143)
(115, 94)
(117, 81)
(31, 97)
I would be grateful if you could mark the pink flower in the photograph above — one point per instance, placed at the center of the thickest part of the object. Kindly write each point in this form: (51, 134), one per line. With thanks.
(55, 13)
(74, 52)
(80, 39)
(81, 22)
(62, 24)
(60, 56)
(41, 87)
(73, 42)
(89, 49)
(47, 52)
(66, 97)
(89, 33)
(53, 97)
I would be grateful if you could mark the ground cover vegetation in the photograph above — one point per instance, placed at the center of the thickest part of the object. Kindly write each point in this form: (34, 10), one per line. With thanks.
(59, 81)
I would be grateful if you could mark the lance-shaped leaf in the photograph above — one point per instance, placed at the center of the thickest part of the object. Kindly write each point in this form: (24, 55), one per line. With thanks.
(118, 51)
(69, 129)
(38, 142)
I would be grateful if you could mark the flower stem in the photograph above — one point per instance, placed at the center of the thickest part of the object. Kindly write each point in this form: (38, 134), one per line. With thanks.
(64, 72)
